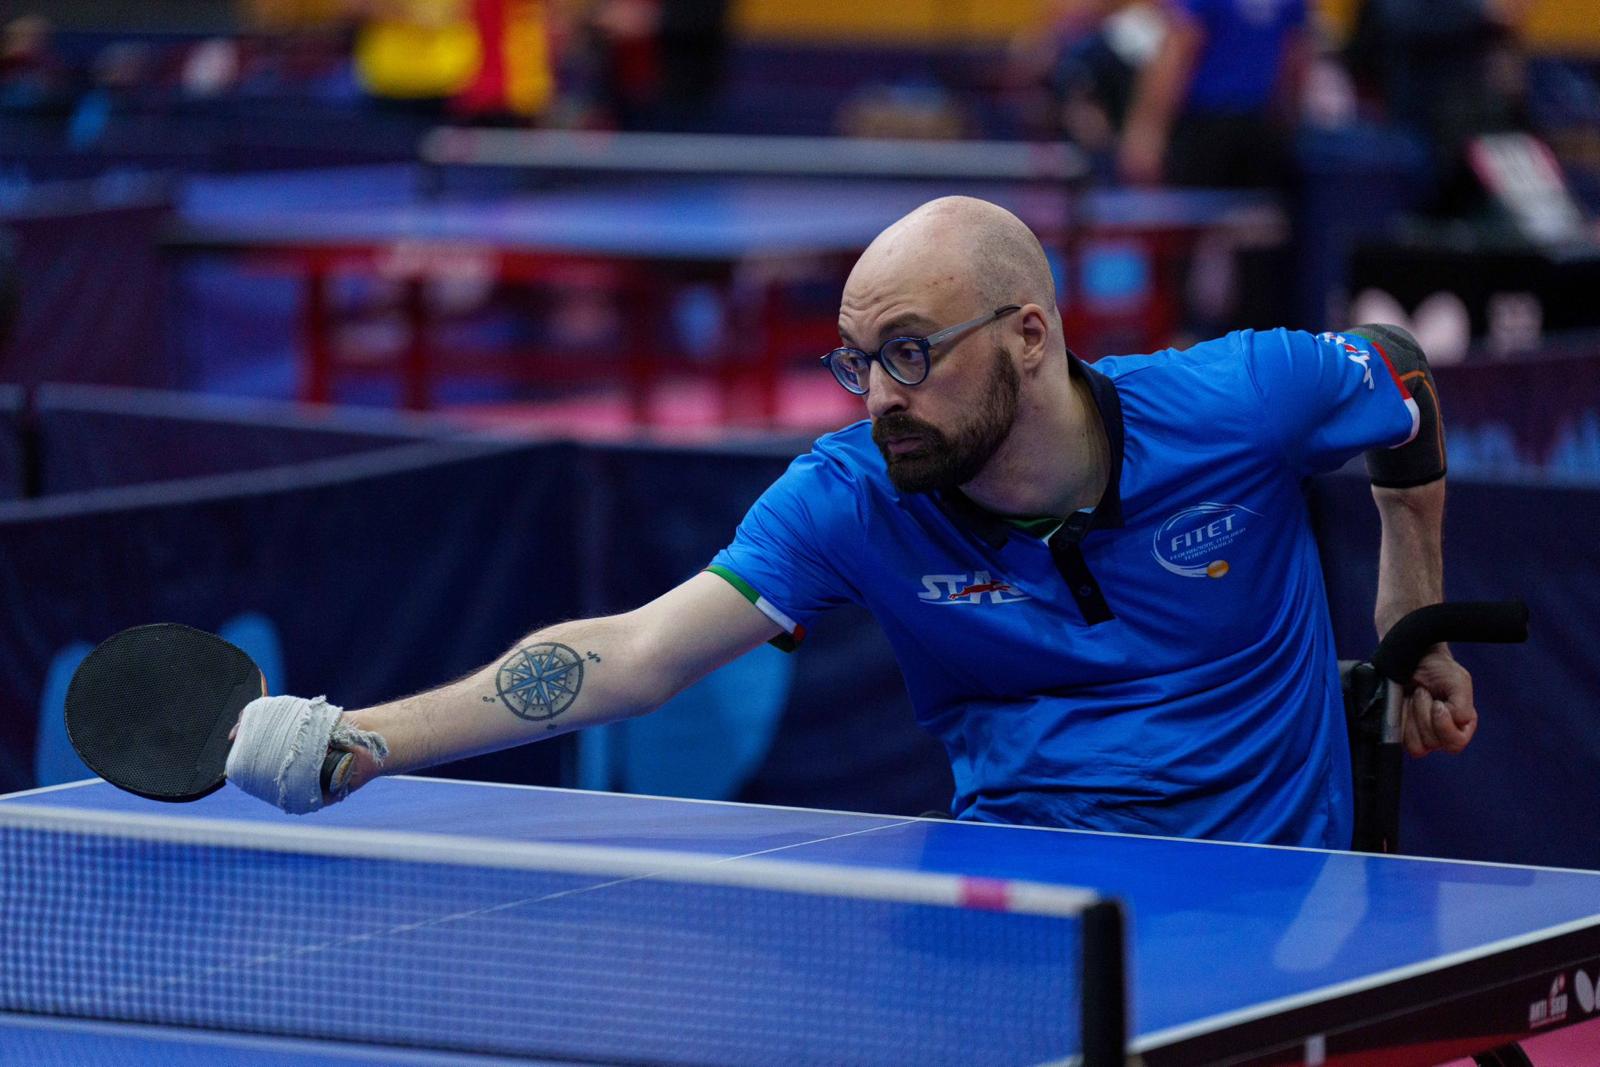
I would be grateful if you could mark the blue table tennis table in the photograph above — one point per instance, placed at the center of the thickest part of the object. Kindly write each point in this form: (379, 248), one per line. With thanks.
(747, 237)
(1236, 954)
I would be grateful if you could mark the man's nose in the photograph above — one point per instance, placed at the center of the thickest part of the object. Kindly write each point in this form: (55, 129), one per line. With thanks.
(884, 393)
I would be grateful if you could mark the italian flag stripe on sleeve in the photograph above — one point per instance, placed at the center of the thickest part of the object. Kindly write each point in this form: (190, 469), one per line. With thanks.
(793, 632)
(1405, 392)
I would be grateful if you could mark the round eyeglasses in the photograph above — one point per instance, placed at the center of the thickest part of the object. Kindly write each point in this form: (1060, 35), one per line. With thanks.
(905, 358)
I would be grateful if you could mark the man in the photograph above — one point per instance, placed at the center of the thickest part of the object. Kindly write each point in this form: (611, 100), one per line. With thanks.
(1100, 582)
(1216, 107)
(1215, 104)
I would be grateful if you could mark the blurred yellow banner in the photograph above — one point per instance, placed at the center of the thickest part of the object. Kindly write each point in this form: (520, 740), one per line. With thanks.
(1563, 26)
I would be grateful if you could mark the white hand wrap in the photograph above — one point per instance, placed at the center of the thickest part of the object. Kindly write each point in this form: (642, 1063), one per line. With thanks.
(282, 741)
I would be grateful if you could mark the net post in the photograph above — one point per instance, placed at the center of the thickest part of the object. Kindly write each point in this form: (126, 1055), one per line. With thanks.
(1103, 1000)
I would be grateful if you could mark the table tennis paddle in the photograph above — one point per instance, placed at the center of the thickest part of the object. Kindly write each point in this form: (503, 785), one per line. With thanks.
(150, 710)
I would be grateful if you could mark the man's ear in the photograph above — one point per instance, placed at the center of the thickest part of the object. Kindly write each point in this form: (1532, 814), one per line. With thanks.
(1035, 329)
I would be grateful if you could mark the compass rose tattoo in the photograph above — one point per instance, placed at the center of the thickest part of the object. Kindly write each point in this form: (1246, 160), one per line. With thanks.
(539, 682)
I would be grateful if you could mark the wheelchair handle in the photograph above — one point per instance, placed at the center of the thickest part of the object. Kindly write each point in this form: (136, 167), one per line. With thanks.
(1396, 659)
(1503, 622)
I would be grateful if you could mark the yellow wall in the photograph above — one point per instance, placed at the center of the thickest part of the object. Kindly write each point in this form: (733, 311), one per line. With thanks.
(883, 21)
(1571, 26)
(291, 14)
(1553, 25)
(1565, 26)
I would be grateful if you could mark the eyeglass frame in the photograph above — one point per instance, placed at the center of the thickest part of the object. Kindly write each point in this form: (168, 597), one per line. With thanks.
(925, 344)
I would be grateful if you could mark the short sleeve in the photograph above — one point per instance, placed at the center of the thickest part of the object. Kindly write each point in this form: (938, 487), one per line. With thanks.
(1328, 397)
(785, 554)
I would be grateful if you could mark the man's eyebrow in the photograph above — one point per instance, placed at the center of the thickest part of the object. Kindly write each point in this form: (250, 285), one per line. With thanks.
(895, 327)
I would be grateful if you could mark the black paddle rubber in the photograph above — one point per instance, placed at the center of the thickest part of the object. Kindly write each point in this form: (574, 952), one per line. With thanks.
(150, 709)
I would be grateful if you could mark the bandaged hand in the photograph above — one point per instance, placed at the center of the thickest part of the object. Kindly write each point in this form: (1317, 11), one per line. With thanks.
(280, 744)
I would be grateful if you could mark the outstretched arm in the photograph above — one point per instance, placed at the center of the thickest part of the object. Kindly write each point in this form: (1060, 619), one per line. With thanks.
(555, 680)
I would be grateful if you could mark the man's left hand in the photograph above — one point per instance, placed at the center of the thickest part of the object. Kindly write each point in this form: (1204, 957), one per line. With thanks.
(1439, 713)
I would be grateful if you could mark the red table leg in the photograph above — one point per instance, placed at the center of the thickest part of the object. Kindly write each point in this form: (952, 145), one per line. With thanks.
(644, 312)
(774, 334)
(316, 383)
(415, 366)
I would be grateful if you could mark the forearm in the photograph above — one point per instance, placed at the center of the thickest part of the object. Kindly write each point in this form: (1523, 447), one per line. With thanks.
(556, 680)
(569, 676)
(1410, 556)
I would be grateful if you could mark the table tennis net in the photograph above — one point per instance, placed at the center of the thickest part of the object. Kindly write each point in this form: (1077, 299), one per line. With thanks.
(579, 953)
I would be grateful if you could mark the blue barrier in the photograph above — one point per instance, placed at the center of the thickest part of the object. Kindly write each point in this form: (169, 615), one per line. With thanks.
(1537, 413)
(100, 437)
(1522, 792)
(376, 574)
(91, 280)
(388, 570)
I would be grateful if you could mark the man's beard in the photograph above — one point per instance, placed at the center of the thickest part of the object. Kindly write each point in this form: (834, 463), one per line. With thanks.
(944, 461)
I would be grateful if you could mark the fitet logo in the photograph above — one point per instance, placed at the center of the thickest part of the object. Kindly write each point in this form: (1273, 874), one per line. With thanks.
(1189, 544)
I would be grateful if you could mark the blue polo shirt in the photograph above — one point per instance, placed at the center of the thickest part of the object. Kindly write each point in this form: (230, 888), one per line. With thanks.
(1161, 665)
(1241, 64)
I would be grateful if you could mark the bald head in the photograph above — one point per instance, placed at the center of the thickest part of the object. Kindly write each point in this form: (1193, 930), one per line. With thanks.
(976, 412)
(955, 243)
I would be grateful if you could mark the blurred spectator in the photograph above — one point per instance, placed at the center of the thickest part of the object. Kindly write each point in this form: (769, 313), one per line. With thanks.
(486, 60)
(415, 54)
(122, 77)
(1191, 92)
(1084, 56)
(1215, 105)
(211, 68)
(1448, 70)
(657, 64)
(515, 78)
(32, 75)
(1095, 81)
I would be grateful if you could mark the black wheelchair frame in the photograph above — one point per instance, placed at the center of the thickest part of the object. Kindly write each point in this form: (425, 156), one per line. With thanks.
(1374, 695)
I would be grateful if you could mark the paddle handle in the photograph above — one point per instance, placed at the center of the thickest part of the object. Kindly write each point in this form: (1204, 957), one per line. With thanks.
(336, 768)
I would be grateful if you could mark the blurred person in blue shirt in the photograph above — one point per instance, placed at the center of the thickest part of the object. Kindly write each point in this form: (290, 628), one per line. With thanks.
(1214, 105)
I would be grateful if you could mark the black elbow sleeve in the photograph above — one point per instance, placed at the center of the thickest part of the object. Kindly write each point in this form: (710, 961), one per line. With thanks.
(1422, 459)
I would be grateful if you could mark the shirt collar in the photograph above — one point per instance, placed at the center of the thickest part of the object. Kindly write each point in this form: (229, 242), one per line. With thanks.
(995, 530)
